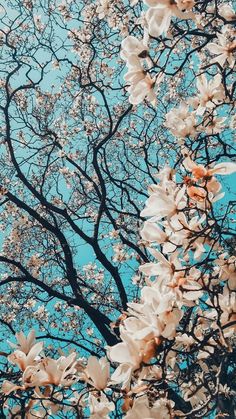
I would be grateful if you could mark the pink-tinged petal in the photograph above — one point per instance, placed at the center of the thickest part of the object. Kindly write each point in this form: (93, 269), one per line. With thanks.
(139, 92)
(169, 330)
(96, 373)
(169, 247)
(34, 376)
(215, 48)
(181, 193)
(146, 333)
(150, 269)
(152, 232)
(133, 62)
(132, 324)
(18, 358)
(122, 375)
(120, 353)
(134, 77)
(188, 163)
(220, 59)
(216, 82)
(159, 256)
(226, 168)
(151, 97)
(158, 21)
(200, 249)
(222, 39)
(218, 197)
(158, 205)
(193, 295)
(34, 351)
(21, 338)
(66, 361)
(8, 387)
(133, 45)
(93, 366)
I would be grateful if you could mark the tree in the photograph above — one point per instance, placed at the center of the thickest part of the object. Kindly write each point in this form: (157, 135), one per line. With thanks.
(105, 106)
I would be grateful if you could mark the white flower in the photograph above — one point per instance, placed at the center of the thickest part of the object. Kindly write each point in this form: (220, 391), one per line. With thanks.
(8, 387)
(24, 343)
(97, 372)
(158, 20)
(126, 353)
(159, 15)
(100, 407)
(103, 8)
(227, 11)
(151, 232)
(51, 371)
(227, 270)
(210, 92)
(199, 171)
(163, 204)
(224, 50)
(141, 409)
(142, 89)
(141, 84)
(22, 360)
(131, 46)
(155, 315)
(181, 122)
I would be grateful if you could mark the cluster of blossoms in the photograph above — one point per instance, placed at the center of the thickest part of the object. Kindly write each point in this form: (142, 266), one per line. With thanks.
(179, 222)
(161, 12)
(145, 74)
(177, 335)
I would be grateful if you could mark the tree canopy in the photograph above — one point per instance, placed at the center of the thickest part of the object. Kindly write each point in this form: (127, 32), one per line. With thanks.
(117, 207)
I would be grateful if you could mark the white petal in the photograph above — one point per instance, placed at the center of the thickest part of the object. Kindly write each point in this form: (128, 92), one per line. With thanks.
(226, 168)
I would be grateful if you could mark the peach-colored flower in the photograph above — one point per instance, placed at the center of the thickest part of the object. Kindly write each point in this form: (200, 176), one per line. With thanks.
(22, 360)
(50, 371)
(97, 372)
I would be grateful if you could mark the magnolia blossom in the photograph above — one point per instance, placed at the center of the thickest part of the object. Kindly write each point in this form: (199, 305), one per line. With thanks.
(161, 11)
(142, 89)
(164, 203)
(8, 387)
(50, 371)
(199, 171)
(151, 232)
(23, 360)
(155, 315)
(181, 122)
(132, 49)
(97, 372)
(163, 267)
(128, 355)
(100, 407)
(24, 343)
(182, 229)
(224, 50)
(227, 11)
(227, 302)
(227, 269)
(103, 8)
(210, 92)
(141, 84)
(208, 186)
(141, 410)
